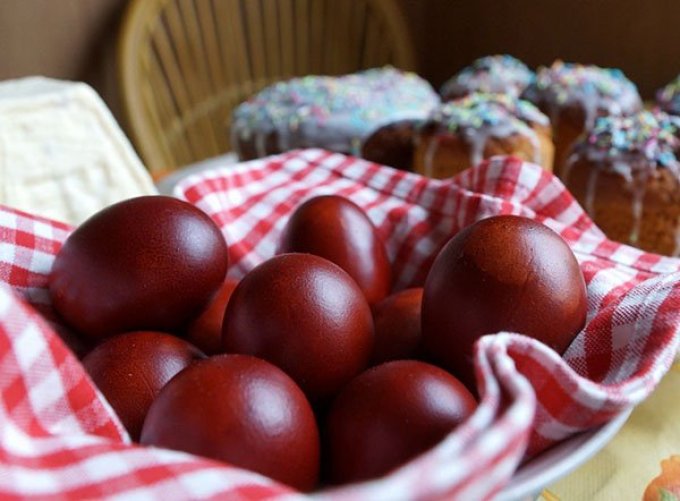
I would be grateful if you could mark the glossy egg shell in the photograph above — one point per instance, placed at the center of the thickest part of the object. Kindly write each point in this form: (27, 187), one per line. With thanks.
(390, 414)
(205, 331)
(130, 369)
(240, 410)
(305, 315)
(398, 326)
(147, 263)
(504, 273)
(335, 228)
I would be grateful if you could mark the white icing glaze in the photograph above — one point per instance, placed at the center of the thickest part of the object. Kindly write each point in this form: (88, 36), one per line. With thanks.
(633, 148)
(477, 140)
(479, 117)
(590, 192)
(639, 185)
(335, 113)
(500, 73)
(566, 169)
(430, 152)
(595, 90)
(636, 179)
(235, 141)
(261, 143)
(668, 97)
(538, 154)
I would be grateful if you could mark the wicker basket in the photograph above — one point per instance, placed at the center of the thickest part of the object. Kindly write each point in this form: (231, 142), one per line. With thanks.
(185, 64)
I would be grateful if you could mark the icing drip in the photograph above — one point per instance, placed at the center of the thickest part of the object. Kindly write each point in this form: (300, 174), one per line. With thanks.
(566, 170)
(429, 156)
(477, 142)
(355, 148)
(335, 113)
(632, 147)
(669, 97)
(639, 185)
(590, 192)
(235, 142)
(538, 157)
(261, 143)
(596, 90)
(478, 117)
(493, 74)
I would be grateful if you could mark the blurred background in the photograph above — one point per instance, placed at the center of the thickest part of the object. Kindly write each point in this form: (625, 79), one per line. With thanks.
(75, 39)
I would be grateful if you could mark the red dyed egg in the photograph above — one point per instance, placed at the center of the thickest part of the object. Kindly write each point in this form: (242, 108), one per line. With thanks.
(337, 229)
(147, 263)
(240, 410)
(504, 273)
(205, 331)
(397, 326)
(305, 315)
(130, 369)
(390, 414)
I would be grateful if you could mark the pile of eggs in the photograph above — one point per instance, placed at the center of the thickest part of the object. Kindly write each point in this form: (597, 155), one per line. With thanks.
(311, 357)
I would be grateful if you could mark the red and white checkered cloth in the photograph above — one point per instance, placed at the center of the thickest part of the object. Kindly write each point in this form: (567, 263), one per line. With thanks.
(59, 438)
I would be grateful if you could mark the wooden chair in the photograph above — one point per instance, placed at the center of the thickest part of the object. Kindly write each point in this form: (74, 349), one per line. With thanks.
(185, 64)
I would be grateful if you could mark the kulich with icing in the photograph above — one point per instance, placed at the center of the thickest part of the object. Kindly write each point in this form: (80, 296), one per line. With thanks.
(574, 95)
(491, 74)
(626, 174)
(335, 113)
(668, 97)
(461, 133)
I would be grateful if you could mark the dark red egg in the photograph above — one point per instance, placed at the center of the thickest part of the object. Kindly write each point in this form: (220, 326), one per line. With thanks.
(504, 273)
(390, 414)
(130, 369)
(335, 228)
(397, 326)
(305, 315)
(205, 331)
(240, 410)
(147, 263)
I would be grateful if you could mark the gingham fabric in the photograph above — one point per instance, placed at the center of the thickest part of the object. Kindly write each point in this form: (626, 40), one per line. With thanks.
(59, 438)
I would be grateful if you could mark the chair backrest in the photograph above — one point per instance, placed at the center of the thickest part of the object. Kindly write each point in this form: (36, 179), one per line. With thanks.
(185, 64)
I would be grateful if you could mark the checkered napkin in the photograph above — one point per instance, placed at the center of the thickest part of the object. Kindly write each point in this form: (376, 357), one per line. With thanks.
(59, 438)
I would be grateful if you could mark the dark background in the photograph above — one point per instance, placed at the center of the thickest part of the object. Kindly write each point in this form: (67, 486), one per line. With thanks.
(75, 39)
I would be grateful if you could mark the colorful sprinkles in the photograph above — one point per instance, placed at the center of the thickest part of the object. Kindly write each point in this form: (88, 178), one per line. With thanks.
(565, 83)
(490, 74)
(669, 97)
(335, 112)
(481, 110)
(654, 135)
